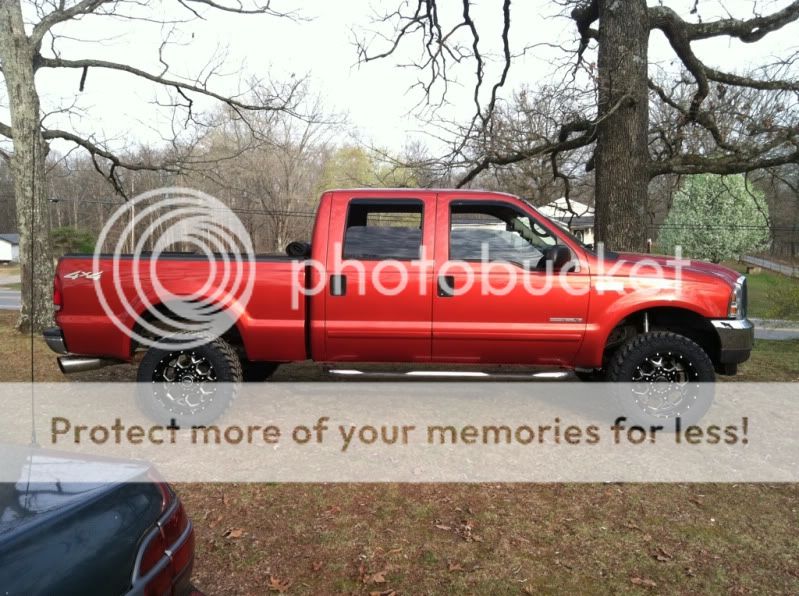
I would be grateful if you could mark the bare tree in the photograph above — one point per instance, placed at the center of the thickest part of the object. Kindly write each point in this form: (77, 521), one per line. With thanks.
(26, 48)
(274, 180)
(615, 125)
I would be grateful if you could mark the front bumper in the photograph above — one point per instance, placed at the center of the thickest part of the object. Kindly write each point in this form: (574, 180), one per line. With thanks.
(54, 338)
(736, 338)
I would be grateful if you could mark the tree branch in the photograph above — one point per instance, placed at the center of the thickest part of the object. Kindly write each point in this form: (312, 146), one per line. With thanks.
(546, 147)
(680, 34)
(284, 104)
(727, 164)
(63, 14)
(747, 30)
(239, 8)
(506, 54)
(674, 28)
(96, 151)
(584, 16)
(741, 81)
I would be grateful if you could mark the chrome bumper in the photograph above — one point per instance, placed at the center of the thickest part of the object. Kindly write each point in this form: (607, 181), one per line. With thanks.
(54, 339)
(736, 338)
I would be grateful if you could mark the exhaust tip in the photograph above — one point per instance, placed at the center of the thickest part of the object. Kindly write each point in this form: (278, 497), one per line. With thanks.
(75, 364)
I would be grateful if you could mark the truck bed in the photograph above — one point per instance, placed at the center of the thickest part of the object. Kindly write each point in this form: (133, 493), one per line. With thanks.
(271, 326)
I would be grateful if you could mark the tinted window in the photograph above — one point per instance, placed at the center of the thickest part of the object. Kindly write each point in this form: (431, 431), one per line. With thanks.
(378, 230)
(498, 230)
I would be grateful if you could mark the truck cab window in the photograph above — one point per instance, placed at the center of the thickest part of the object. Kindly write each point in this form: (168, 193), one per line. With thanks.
(380, 230)
(497, 230)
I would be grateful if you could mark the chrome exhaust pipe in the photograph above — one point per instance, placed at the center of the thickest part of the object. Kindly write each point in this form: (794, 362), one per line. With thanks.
(74, 364)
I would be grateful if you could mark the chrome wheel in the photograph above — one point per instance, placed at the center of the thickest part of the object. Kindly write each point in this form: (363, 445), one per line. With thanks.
(185, 377)
(662, 384)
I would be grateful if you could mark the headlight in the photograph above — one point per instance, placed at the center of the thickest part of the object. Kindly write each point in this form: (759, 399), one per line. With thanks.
(737, 308)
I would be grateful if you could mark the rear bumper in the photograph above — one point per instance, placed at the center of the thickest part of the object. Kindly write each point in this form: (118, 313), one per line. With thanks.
(736, 338)
(54, 338)
(69, 363)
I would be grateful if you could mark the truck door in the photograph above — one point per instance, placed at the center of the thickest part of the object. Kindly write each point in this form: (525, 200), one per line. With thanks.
(494, 300)
(378, 299)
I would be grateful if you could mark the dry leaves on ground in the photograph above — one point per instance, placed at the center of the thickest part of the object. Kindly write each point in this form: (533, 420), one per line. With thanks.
(276, 584)
(234, 533)
(643, 581)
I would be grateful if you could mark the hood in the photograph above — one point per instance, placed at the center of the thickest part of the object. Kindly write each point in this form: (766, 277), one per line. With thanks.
(689, 267)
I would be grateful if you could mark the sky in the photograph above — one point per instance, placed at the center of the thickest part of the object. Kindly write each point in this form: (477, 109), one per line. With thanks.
(320, 45)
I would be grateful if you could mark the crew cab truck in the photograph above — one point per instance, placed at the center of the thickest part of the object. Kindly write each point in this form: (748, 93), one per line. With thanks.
(400, 276)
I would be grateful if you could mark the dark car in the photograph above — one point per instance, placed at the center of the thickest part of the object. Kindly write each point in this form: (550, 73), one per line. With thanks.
(122, 530)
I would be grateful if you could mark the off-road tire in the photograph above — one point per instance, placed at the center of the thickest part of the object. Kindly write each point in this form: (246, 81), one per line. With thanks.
(152, 393)
(624, 363)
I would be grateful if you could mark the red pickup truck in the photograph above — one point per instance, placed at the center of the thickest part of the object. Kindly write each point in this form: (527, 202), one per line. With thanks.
(419, 276)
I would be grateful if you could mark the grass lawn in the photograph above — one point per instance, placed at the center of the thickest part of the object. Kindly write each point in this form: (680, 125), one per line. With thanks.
(495, 539)
(760, 284)
(13, 286)
(483, 538)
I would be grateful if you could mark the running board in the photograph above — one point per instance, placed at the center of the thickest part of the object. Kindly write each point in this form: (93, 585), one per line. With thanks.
(447, 374)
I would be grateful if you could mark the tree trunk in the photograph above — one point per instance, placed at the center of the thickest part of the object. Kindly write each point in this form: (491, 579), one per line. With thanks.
(28, 169)
(622, 155)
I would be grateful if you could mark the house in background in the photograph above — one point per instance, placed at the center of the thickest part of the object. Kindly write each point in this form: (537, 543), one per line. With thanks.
(579, 220)
(9, 248)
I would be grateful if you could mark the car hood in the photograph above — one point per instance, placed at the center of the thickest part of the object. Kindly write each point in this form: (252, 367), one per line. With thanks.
(688, 267)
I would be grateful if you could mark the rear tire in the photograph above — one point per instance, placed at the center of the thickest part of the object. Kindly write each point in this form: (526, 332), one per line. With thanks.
(188, 386)
(665, 376)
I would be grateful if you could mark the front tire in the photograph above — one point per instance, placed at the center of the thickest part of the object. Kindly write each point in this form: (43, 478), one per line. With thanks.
(188, 386)
(664, 376)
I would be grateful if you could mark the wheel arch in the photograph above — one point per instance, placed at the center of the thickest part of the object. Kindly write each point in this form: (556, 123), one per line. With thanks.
(679, 319)
(234, 334)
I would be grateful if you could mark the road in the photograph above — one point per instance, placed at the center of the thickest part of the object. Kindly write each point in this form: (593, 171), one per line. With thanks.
(772, 266)
(9, 299)
(766, 330)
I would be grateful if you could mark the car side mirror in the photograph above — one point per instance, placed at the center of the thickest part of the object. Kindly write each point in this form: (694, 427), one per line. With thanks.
(560, 256)
(297, 249)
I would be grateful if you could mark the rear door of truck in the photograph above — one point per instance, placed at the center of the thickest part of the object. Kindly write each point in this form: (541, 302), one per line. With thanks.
(378, 299)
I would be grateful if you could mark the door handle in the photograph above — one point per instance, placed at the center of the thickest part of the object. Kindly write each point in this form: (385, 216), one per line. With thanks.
(446, 286)
(338, 285)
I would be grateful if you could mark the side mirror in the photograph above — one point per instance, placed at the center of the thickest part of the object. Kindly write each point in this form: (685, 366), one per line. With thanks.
(559, 255)
(298, 249)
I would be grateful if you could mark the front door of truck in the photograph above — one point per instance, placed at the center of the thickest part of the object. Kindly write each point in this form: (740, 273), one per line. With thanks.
(495, 301)
(378, 299)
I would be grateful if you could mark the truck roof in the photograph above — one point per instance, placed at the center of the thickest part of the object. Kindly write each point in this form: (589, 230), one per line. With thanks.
(393, 192)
